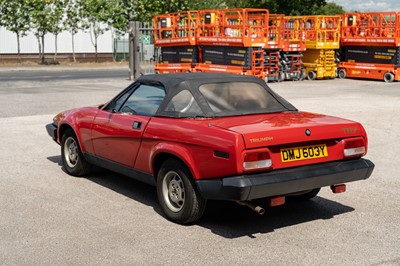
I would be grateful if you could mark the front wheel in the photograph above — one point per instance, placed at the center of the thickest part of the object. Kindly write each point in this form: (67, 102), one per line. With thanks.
(72, 158)
(177, 194)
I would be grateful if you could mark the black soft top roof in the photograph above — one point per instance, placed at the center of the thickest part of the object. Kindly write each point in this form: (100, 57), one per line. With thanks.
(175, 83)
(194, 80)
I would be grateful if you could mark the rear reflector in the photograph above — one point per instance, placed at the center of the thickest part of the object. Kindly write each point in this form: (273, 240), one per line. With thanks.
(257, 160)
(276, 201)
(338, 188)
(354, 147)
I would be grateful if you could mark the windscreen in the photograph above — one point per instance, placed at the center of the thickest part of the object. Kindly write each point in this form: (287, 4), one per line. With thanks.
(235, 98)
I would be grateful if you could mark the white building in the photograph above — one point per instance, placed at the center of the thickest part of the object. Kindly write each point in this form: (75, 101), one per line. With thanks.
(29, 43)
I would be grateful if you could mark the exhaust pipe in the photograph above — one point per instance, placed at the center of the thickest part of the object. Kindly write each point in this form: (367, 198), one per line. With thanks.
(257, 209)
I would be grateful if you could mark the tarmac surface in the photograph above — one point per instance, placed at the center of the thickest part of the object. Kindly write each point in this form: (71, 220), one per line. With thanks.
(50, 218)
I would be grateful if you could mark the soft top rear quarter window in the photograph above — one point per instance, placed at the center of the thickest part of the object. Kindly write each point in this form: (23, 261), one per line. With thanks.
(235, 98)
(185, 104)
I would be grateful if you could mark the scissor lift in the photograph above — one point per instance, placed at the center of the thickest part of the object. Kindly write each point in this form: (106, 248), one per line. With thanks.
(175, 37)
(322, 37)
(370, 46)
(232, 41)
(292, 39)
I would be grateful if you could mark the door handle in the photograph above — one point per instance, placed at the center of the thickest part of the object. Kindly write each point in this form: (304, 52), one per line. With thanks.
(136, 125)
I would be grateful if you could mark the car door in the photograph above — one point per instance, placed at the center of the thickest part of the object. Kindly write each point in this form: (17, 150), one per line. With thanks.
(118, 129)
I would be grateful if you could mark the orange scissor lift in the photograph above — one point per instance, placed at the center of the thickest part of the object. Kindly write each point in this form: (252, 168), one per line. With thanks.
(232, 41)
(322, 34)
(175, 36)
(292, 46)
(370, 44)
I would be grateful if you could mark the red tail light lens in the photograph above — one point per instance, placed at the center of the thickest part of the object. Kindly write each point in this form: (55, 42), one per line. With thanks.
(257, 160)
(354, 147)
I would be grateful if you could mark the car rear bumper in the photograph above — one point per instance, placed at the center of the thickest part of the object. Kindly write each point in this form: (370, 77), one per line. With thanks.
(52, 131)
(286, 181)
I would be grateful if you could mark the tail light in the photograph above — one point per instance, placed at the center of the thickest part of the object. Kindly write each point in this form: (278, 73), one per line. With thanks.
(338, 188)
(257, 160)
(354, 147)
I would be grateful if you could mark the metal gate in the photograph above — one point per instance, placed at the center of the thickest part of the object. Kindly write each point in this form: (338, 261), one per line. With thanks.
(141, 49)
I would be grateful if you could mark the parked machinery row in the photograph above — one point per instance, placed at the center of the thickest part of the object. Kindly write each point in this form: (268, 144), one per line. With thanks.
(276, 47)
(240, 41)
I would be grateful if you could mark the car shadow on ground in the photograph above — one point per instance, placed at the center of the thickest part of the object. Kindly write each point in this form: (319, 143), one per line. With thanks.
(225, 218)
(230, 220)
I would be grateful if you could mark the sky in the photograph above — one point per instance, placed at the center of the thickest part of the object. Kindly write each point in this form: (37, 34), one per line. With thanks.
(368, 5)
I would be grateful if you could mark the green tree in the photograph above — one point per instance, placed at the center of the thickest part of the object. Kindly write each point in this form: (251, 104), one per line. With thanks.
(57, 26)
(121, 12)
(95, 14)
(14, 16)
(45, 18)
(146, 9)
(331, 9)
(299, 7)
(207, 4)
(287, 7)
(72, 21)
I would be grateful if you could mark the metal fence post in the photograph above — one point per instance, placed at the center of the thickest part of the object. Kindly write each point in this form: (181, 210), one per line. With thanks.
(131, 50)
(136, 44)
(140, 62)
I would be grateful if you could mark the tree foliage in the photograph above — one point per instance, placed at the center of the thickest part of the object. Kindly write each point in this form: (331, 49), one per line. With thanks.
(46, 16)
(15, 17)
(331, 9)
(72, 21)
(95, 15)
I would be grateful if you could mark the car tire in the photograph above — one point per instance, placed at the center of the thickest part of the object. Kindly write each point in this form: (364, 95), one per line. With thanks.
(311, 75)
(305, 196)
(342, 73)
(388, 77)
(71, 155)
(177, 194)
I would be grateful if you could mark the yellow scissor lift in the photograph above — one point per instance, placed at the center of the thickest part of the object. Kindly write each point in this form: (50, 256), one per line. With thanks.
(322, 38)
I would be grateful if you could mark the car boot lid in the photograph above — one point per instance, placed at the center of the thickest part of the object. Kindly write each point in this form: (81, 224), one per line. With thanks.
(291, 127)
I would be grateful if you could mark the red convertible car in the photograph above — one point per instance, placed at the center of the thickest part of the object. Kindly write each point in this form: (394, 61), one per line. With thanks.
(199, 136)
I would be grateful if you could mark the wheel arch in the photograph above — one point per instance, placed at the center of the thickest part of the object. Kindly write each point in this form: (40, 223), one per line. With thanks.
(63, 128)
(178, 154)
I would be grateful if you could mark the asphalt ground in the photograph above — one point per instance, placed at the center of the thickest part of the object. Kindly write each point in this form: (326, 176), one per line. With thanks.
(50, 218)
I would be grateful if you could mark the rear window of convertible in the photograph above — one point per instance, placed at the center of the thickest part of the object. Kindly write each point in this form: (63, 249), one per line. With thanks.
(235, 98)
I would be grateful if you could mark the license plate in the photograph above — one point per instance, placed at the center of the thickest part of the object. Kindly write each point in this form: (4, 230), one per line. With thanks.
(304, 153)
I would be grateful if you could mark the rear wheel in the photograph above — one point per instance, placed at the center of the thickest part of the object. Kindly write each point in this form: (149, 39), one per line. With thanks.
(71, 155)
(311, 75)
(388, 77)
(306, 196)
(177, 194)
(342, 73)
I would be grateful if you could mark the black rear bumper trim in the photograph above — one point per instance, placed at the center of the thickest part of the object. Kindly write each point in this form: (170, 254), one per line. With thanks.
(285, 181)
